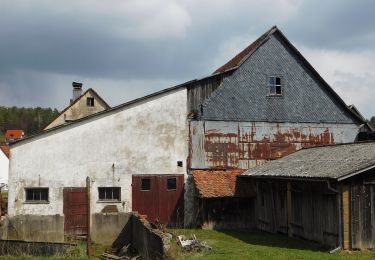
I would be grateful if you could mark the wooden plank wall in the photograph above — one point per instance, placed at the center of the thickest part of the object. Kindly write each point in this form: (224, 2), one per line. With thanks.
(314, 210)
(362, 214)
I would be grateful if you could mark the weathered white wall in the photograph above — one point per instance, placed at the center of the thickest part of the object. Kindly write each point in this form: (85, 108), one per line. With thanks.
(148, 137)
(4, 168)
(79, 110)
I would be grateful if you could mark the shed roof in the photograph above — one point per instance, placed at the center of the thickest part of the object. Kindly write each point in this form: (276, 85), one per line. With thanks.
(218, 183)
(326, 162)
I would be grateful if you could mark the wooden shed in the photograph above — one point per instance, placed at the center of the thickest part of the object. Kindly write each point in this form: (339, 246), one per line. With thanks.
(221, 201)
(324, 194)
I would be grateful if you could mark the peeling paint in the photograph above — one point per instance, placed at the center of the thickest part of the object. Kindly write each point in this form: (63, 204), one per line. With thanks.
(219, 144)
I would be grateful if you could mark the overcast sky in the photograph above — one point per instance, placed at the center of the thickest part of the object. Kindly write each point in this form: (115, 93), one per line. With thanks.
(125, 49)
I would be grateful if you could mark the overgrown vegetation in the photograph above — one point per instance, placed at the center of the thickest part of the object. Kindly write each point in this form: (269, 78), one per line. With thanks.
(31, 120)
(256, 245)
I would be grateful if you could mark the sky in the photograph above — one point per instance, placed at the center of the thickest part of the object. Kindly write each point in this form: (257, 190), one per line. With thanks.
(126, 49)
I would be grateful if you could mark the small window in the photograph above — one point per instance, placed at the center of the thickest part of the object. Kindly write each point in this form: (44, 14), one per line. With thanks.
(145, 184)
(171, 183)
(109, 193)
(274, 86)
(90, 101)
(36, 194)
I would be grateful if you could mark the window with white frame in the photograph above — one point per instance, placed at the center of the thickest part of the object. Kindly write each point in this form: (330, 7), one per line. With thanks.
(274, 86)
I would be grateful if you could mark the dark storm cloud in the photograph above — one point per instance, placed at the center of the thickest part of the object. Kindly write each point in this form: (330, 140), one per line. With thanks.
(338, 24)
(126, 49)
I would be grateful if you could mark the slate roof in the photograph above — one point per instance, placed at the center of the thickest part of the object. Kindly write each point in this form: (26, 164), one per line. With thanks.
(336, 162)
(5, 150)
(217, 183)
(245, 53)
(14, 134)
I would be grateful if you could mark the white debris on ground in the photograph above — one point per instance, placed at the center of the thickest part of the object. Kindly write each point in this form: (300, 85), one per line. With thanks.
(192, 244)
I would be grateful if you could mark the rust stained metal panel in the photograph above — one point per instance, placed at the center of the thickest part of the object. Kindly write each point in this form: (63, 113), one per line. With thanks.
(219, 144)
(75, 211)
(159, 203)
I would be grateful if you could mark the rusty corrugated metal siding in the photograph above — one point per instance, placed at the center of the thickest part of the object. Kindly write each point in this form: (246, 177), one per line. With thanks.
(220, 144)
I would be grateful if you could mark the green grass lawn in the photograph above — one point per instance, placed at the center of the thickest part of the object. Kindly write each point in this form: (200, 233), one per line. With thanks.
(255, 245)
(238, 245)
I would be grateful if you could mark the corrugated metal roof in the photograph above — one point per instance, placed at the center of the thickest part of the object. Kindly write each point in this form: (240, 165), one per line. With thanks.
(327, 162)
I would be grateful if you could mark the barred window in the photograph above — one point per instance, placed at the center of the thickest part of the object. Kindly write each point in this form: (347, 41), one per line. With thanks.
(110, 193)
(36, 194)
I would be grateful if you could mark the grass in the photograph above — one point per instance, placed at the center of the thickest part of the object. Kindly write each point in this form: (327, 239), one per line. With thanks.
(256, 245)
(234, 245)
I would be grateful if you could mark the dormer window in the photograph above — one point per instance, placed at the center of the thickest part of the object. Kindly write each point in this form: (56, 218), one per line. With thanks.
(90, 101)
(274, 86)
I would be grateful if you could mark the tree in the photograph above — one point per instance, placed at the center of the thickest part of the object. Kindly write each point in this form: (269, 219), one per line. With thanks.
(372, 122)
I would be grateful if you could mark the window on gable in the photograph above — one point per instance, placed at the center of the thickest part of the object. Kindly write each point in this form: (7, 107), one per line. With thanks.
(274, 86)
(36, 194)
(90, 101)
(109, 193)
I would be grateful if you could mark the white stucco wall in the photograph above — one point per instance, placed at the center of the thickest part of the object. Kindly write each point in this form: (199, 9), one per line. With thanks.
(148, 137)
(4, 168)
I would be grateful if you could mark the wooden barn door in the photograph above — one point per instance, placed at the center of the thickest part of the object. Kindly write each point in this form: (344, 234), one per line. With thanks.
(159, 197)
(362, 211)
(75, 211)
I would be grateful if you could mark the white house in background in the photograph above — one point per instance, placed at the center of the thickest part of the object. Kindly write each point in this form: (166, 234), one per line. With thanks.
(4, 165)
(81, 105)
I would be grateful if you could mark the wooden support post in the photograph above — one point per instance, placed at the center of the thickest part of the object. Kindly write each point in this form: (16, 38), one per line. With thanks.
(289, 208)
(346, 216)
(88, 240)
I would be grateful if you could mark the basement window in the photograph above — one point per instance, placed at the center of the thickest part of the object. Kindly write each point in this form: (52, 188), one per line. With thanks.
(274, 86)
(90, 101)
(171, 183)
(109, 193)
(145, 184)
(36, 195)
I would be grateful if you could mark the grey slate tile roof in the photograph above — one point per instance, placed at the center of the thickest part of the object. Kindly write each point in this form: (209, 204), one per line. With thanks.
(326, 162)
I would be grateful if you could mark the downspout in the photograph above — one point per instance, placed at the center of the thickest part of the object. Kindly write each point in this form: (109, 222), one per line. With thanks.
(339, 205)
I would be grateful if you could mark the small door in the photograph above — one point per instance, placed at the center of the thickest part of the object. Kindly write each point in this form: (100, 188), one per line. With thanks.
(75, 211)
(160, 197)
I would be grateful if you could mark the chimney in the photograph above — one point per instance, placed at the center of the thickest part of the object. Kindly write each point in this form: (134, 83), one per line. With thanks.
(77, 91)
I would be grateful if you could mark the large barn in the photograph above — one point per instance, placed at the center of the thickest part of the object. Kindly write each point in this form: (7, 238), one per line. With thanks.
(265, 103)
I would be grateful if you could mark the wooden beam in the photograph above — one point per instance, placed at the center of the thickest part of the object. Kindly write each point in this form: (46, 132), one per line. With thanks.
(289, 208)
(346, 216)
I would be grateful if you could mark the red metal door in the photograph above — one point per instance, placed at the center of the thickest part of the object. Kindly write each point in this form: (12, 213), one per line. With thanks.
(159, 203)
(75, 211)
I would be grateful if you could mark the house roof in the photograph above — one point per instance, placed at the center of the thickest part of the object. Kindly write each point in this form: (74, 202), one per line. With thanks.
(237, 60)
(217, 183)
(241, 57)
(230, 66)
(5, 149)
(14, 134)
(93, 92)
(336, 162)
